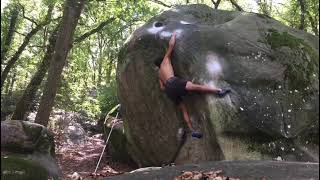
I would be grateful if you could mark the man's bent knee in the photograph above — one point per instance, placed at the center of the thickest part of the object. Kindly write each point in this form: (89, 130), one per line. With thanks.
(190, 86)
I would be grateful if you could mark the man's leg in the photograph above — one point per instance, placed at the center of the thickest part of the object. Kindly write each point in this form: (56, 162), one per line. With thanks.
(205, 88)
(201, 88)
(186, 117)
(188, 121)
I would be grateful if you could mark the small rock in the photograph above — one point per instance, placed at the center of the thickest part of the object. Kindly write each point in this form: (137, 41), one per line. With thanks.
(76, 176)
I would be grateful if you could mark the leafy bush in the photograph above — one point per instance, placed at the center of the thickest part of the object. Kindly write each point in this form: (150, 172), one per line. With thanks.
(108, 97)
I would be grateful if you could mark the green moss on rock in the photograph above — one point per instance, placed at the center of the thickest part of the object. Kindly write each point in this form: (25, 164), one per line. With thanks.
(19, 168)
(119, 144)
(32, 131)
(276, 39)
(302, 62)
(41, 137)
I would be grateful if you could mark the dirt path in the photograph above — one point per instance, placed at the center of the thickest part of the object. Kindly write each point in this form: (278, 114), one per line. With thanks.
(83, 158)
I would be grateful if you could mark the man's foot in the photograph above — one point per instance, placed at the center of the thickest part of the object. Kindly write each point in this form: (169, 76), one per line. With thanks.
(196, 134)
(181, 135)
(223, 92)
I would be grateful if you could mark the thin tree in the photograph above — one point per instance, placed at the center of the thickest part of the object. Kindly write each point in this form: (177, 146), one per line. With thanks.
(314, 23)
(71, 14)
(9, 35)
(302, 14)
(11, 62)
(29, 93)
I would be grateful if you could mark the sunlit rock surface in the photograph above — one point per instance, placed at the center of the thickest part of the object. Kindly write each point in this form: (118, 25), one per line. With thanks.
(272, 112)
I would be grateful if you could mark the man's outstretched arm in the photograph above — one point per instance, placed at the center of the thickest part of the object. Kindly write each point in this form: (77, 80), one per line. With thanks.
(171, 45)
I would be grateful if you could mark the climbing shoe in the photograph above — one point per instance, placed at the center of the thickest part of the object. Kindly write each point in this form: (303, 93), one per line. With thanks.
(223, 92)
(196, 135)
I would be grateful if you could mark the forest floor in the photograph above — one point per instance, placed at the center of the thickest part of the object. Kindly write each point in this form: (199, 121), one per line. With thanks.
(81, 159)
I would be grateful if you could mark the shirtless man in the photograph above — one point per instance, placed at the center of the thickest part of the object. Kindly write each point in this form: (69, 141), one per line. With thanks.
(175, 88)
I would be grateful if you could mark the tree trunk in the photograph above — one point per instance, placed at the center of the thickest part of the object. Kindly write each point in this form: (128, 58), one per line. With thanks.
(302, 15)
(71, 14)
(29, 94)
(314, 24)
(99, 70)
(101, 46)
(13, 80)
(9, 36)
(26, 40)
(7, 84)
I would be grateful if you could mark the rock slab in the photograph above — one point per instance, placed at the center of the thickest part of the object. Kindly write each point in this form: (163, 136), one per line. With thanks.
(237, 169)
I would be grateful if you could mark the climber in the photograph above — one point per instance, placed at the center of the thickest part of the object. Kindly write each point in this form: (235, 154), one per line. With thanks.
(175, 87)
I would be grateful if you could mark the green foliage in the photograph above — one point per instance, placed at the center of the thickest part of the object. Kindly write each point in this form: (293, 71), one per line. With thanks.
(108, 98)
(291, 15)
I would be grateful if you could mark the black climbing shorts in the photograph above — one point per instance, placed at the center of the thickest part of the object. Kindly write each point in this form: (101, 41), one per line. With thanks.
(175, 88)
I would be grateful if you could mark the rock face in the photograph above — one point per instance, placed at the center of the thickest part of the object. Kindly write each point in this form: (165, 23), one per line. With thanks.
(25, 148)
(272, 112)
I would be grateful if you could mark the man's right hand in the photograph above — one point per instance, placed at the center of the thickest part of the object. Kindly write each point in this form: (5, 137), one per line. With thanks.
(173, 39)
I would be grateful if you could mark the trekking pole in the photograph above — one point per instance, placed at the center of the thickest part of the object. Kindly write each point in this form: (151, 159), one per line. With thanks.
(106, 142)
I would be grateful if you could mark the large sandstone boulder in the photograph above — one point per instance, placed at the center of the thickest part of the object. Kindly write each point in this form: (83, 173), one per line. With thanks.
(27, 148)
(272, 69)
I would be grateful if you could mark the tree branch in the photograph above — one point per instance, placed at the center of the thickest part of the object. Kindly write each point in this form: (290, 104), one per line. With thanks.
(216, 4)
(100, 26)
(120, 30)
(37, 46)
(19, 33)
(234, 3)
(161, 3)
(24, 16)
